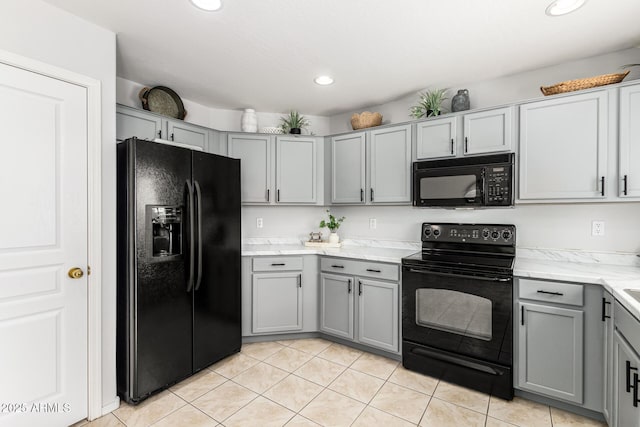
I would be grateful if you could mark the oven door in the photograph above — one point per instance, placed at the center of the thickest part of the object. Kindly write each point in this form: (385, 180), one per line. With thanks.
(448, 186)
(458, 313)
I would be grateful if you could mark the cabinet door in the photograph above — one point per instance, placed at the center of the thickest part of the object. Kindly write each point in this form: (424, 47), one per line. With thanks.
(627, 367)
(390, 165)
(550, 351)
(436, 138)
(185, 133)
(276, 302)
(296, 171)
(378, 314)
(488, 131)
(348, 168)
(608, 363)
(254, 152)
(629, 160)
(142, 125)
(336, 305)
(563, 147)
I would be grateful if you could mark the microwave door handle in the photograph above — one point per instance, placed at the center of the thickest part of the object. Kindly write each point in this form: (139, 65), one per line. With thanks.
(483, 195)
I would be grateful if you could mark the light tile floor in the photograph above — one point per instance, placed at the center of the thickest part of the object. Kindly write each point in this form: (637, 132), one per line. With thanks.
(312, 382)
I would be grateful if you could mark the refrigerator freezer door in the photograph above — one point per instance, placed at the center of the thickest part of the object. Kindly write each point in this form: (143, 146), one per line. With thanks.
(216, 319)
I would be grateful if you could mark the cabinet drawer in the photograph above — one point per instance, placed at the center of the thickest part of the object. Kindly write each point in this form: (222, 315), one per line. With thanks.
(280, 263)
(556, 292)
(627, 325)
(361, 268)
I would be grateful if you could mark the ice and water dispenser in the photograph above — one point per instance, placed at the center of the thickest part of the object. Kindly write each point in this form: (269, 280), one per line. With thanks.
(164, 232)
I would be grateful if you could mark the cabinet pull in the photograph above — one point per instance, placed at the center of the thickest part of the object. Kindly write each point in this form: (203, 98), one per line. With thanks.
(628, 375)
(160, 134)
(550, 293)
(278, 195)
(522, 314)
(372, 194)
(635, 390)
(359, 287)
(602, 184)
(268, 194)
(451, 146)
(361, 195)
(624, 191)
(604, 309)
(299, 280)
(337, 266)
(349, 286)
(172, 137)
(275, 264)
(374, 271)
(466, 144)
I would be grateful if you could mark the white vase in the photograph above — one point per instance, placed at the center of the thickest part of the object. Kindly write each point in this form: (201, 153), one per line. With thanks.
(333, 237)
(249, 121)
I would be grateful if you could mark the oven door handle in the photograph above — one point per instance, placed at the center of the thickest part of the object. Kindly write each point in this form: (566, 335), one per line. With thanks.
(462, 276)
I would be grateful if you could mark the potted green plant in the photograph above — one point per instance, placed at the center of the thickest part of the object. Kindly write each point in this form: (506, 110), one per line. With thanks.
(293, 123)
(332, 224)
(429, 103)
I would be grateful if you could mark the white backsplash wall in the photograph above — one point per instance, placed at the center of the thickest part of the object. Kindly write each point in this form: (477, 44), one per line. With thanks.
(562, 226)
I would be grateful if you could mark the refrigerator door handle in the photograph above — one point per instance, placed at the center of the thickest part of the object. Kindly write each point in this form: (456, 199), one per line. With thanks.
(192, 247)
(199, 220)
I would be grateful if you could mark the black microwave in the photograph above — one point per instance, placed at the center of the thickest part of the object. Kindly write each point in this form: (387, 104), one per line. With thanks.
(481, 181)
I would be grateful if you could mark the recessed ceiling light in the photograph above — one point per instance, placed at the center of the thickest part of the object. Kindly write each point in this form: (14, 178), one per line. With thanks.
(562, 7)
(323, 80)
(208, 5)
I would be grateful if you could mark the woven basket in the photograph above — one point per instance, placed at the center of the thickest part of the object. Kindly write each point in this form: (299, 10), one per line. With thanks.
(571, 85)
(366, 119)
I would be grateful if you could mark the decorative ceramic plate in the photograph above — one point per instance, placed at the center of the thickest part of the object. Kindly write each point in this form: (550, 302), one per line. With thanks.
(162, 100)
(271, 129)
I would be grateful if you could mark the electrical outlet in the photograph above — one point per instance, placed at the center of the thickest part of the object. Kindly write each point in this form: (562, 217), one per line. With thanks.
(372, 223)
(597, 228)
(259, 223)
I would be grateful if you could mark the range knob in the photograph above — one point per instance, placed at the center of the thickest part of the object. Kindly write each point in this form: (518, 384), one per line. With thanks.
(495, 235)
(436, 232)
(506, 234)
(485, 233)
(427, 232)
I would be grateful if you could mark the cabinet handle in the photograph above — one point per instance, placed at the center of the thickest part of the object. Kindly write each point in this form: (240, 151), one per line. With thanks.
(628, 375)
(451, 146)
(278, 195)
(359, 287)
(466, 144)
(374, 271)
(299, 280)
(635, 390)
(522, 314)
(361, 195)
(278, 264)
(602, 184)
(337, 266)
(550, 293)
(160, 134)
(624, 191)
(604, 309)
(349, 287)
(172, 137)
(268, 194)
(372, 194)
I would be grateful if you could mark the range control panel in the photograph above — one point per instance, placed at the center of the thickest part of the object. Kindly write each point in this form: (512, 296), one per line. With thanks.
(498, 234)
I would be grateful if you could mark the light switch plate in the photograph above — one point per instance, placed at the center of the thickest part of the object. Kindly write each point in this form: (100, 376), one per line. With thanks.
(259, 223)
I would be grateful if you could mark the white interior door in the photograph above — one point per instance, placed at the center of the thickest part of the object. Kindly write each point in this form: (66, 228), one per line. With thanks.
(43, 189)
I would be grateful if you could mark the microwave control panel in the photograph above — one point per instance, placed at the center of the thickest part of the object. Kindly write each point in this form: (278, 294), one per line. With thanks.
(498, 185)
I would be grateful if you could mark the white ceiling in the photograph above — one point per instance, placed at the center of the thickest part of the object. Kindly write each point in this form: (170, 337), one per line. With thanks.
(265, 54)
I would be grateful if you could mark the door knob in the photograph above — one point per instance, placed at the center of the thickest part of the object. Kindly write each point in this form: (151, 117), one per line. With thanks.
(76, 273)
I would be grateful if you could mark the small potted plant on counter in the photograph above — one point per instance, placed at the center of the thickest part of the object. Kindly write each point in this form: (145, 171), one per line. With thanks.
(293, 123)
(333, 224)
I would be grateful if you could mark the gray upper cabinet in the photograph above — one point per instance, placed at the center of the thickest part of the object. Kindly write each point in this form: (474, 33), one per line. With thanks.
(378, 314)
(563, 147)
(488, 131)
(348, 168)
(560, 330)
(277, 302)
(254, 152)
(296, 170)
(131, 122)
(336, 305)
(185, 133)
(390, 165)
(629, 154)
(436, 138)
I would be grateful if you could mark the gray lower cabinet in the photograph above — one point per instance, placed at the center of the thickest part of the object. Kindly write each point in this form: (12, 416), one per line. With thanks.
(626, 357)
(357, 307)
(559, 341)
(277, 302)
(608, 362)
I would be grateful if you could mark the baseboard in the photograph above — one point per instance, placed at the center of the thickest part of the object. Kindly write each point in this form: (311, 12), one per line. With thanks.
(110, 407)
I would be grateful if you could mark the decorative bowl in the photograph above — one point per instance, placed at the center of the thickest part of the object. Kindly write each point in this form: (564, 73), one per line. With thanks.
(365, 119)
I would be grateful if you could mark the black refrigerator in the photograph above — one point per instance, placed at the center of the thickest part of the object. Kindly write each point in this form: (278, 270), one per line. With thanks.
(178, 290)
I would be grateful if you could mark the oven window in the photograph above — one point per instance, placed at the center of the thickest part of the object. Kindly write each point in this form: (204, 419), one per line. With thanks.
(455, 312)
(448, 187)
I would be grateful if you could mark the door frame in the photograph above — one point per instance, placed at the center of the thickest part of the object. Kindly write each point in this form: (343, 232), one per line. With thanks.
(94, 214)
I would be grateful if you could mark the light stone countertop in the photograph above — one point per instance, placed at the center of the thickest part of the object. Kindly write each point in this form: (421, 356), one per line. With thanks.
(615, 272)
